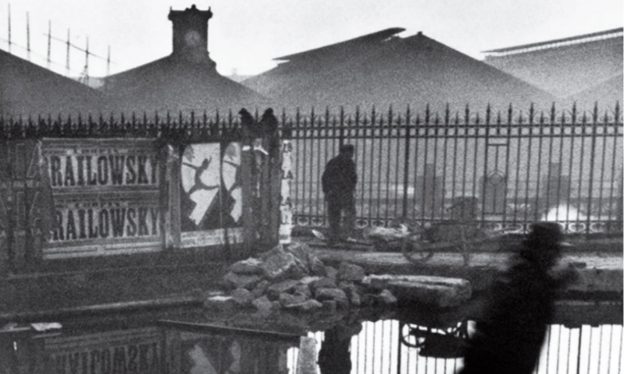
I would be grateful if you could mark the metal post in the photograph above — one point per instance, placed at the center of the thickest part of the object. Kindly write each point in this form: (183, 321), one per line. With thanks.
(406, 162)
(592, 157)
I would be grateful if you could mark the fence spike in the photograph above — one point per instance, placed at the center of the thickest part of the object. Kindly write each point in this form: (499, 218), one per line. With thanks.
(574, 113)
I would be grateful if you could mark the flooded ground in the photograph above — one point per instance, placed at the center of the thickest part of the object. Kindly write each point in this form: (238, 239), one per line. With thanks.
(197, 341)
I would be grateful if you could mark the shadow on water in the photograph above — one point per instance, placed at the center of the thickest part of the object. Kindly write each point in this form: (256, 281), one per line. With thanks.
(184, 342)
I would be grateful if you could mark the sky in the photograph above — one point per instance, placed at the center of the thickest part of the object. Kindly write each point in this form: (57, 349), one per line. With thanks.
(245, 35)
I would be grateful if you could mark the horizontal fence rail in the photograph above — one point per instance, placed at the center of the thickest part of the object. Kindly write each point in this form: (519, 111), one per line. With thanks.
(500, 169)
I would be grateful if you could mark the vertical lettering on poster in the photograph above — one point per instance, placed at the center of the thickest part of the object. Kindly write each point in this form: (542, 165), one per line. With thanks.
(286, 220)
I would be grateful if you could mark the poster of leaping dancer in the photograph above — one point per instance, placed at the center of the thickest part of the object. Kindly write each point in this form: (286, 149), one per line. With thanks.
(211, 193)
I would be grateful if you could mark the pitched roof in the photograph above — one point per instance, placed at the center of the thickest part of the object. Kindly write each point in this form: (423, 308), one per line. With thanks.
(173, 84)
(28, 89)
(606, 93)
(391, 71)
(564, 66)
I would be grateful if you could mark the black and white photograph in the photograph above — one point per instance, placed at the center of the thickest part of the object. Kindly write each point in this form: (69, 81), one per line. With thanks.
(311, 187)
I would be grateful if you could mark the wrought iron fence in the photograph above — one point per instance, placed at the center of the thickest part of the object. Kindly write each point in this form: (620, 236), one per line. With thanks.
(503, 170)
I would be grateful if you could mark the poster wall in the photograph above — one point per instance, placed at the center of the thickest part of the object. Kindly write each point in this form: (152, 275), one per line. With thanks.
(211, 197)
(104, 196)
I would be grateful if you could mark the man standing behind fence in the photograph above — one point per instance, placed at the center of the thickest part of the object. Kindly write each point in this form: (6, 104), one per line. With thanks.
(339, 180)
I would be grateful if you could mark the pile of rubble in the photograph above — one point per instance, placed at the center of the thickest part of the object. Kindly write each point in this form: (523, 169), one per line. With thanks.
(293, 278)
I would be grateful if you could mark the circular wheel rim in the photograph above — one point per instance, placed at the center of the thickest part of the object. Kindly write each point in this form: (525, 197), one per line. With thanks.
(415, 252)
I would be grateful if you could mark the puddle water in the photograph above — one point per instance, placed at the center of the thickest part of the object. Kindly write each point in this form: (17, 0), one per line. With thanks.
(378, 348)
(385, 346)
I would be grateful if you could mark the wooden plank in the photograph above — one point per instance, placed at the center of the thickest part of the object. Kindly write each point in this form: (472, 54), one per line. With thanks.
(228, 330)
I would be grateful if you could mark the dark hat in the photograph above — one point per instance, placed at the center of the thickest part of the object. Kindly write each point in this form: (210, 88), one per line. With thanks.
(347, 148)
(545, 233)
(243, 111)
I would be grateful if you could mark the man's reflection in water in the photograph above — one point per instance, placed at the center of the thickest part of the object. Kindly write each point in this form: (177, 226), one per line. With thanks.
(509, 337)
(335, 356)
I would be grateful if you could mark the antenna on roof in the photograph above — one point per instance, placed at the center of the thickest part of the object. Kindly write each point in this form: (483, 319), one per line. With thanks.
(9, 40)
(68, 43)
(84, 77)
(108, 61)
(48, 60)
(28, 35)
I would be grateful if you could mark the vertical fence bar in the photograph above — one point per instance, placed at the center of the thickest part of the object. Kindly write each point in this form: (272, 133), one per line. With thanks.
(362, 178)
(379, 159)
(536, 211)
(612, 204)
(406, 163)
(528, 164)
(358, 160)
(592, 156)
(372, 162)
(551, 127)
(560, 174)
(417, 138)
(466, 135)
(445, 145)
(475, 155)
(581, 164)
(322, 163)
(507, 179)
(436, 125)
(312, 123)
(423, 197)
(320, 134)
(455, 142)
(485, 163)
(299, 153)
(397, 138)
(304, 168)
(602, 164)
(388, 139)
(573, 137)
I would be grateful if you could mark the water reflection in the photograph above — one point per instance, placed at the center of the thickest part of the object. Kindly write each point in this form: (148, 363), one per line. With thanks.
(379, 349)
(359, 347)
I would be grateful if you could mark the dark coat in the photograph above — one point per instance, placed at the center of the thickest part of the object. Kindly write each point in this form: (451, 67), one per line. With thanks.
(509, 337)
(339, 178)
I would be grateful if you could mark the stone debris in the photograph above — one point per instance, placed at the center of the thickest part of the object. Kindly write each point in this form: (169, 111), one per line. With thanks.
(262, 304)
(250, 266)
(351, 272)
(387, 298)
(442, 292)
(220, 303)
(233, 280)
(242, 296)
(293, 278)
